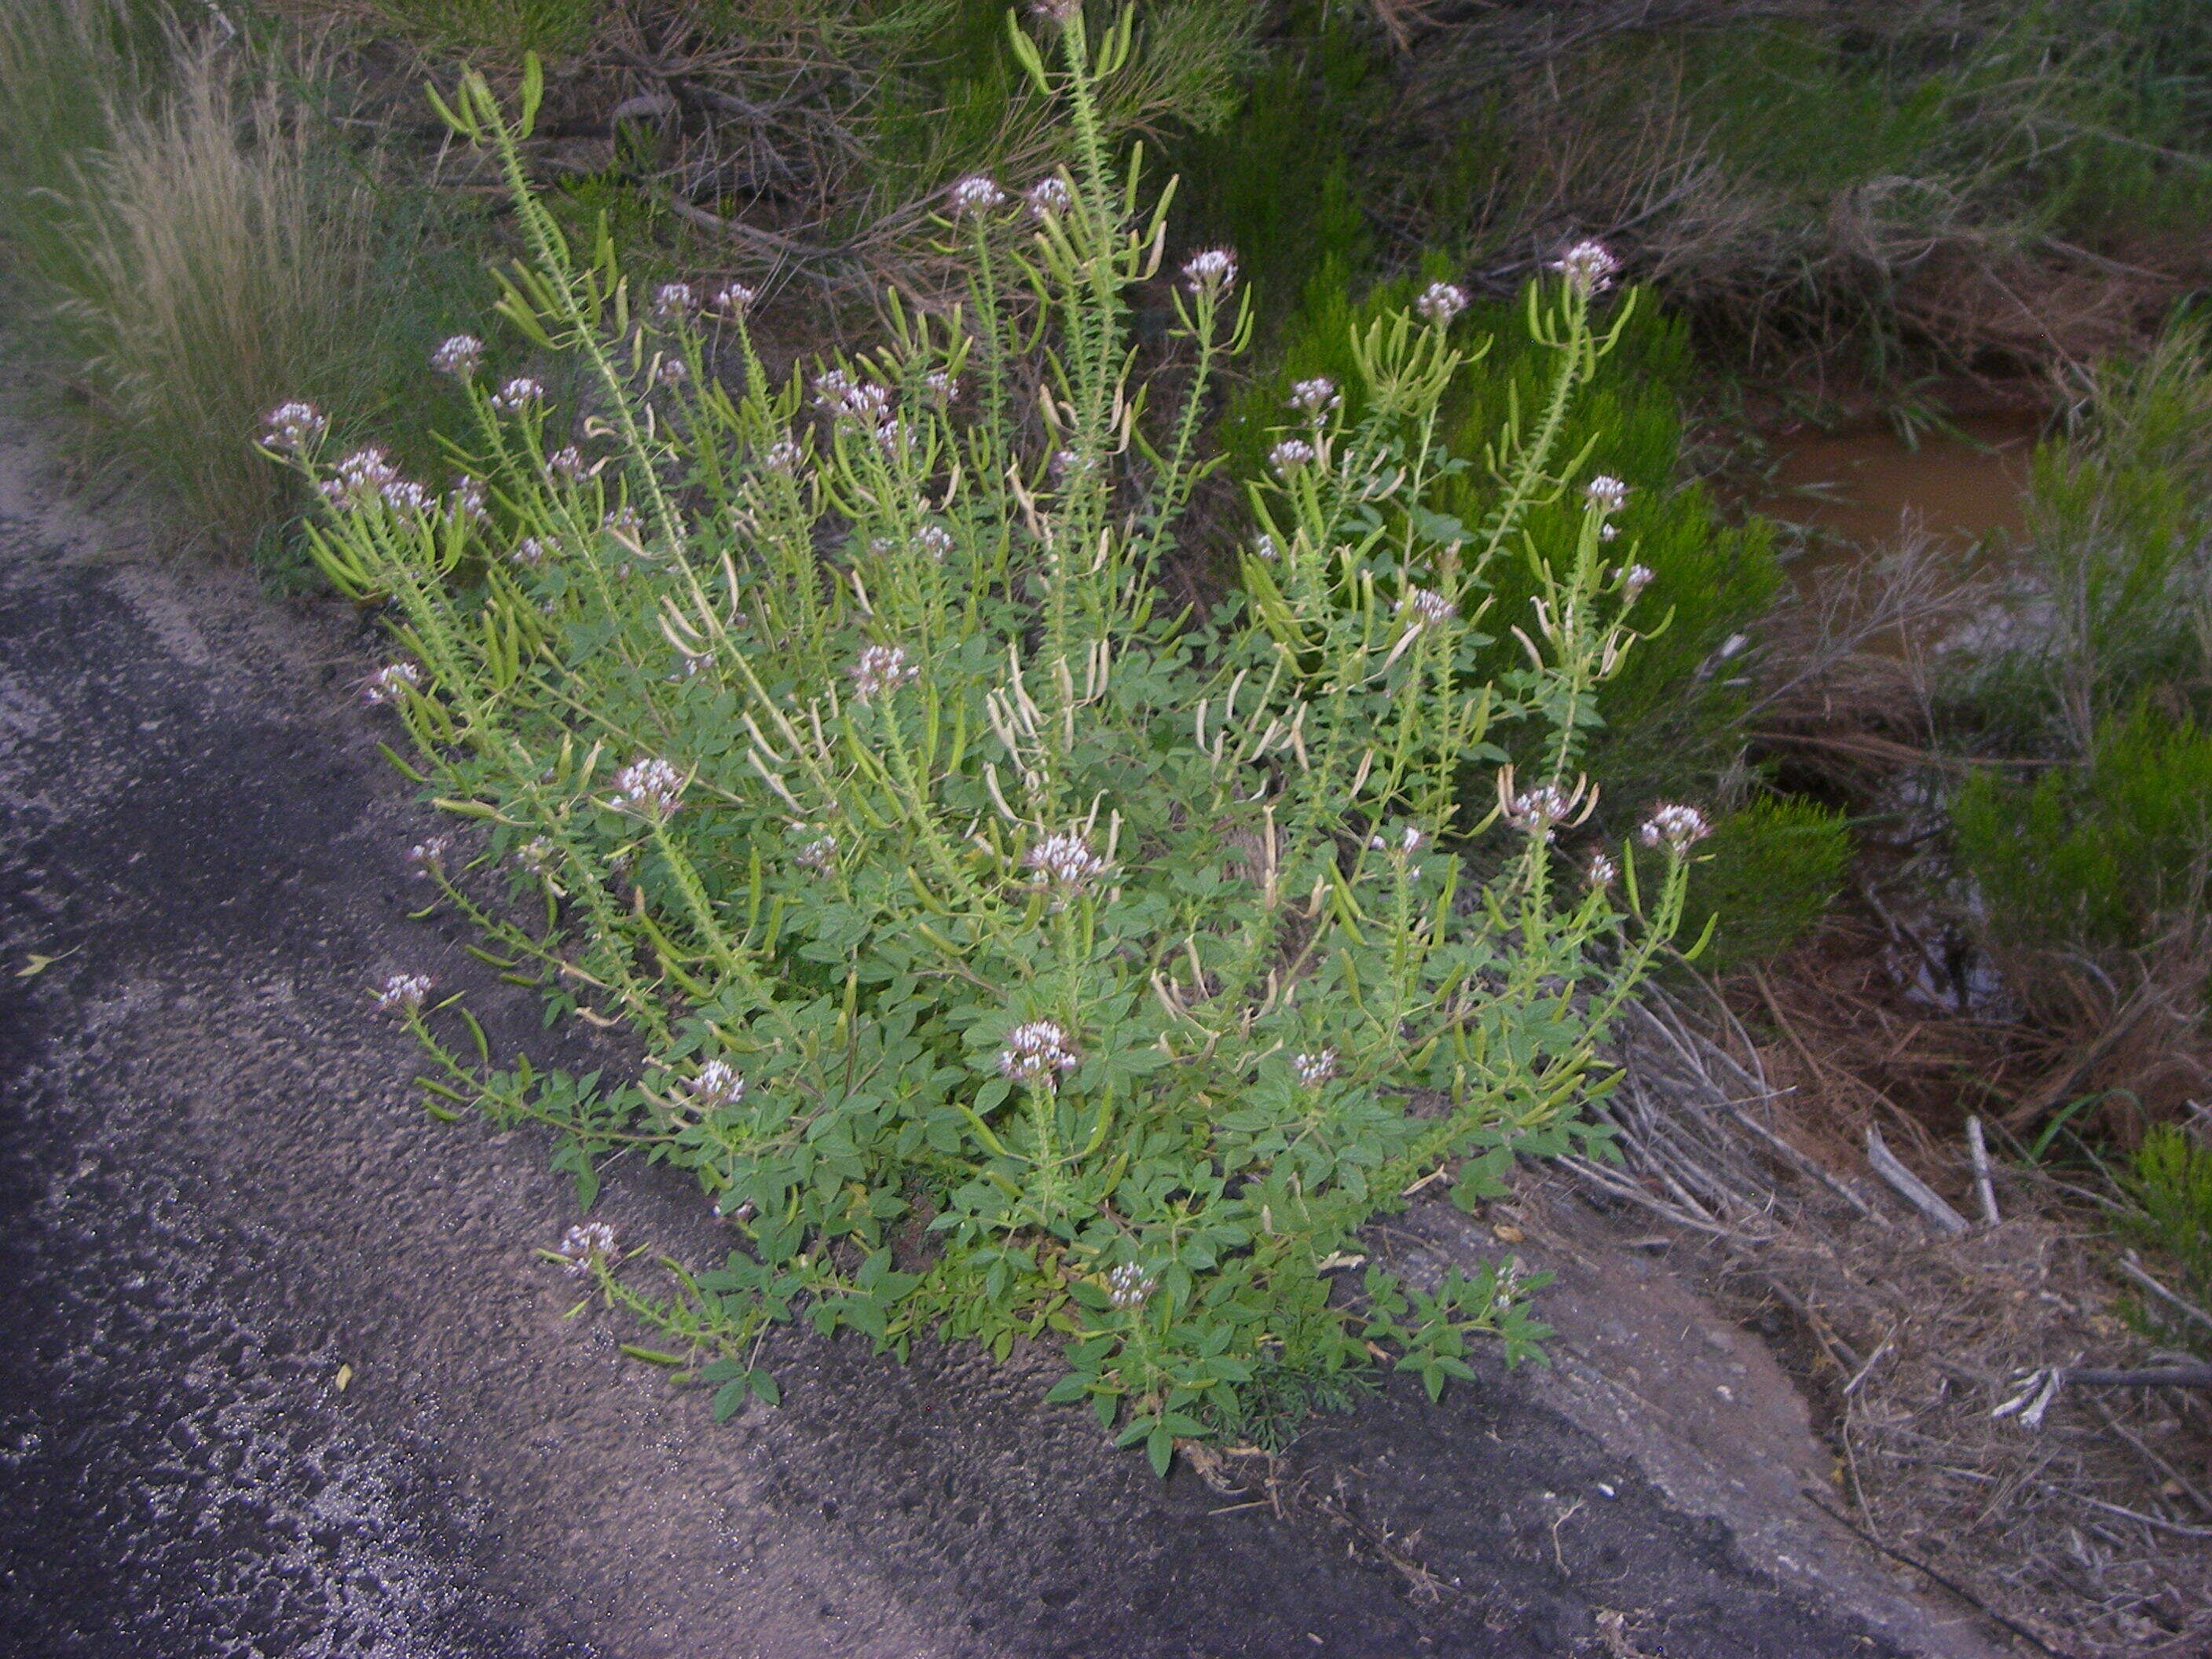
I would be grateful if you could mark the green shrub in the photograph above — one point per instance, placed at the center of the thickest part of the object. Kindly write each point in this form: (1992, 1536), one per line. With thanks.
(1769, 874)
(1009, 959)
(2094, 855)
(2118, 549)
(1277, 181)
(953, 99)
(2169, 1189)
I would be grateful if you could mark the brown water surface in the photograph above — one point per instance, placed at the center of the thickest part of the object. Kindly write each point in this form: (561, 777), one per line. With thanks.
(1868, 486)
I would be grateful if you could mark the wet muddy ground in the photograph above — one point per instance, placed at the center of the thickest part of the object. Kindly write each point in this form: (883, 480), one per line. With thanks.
(1965, 482)
(219, 1194)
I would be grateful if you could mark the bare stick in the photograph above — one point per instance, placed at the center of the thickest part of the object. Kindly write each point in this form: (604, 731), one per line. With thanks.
(2195, 1495)
(2157, 1521)
(1978, 1149)
(2162, 1377)
(2133, 1269)
(1808, 1165)
(1910, 1187)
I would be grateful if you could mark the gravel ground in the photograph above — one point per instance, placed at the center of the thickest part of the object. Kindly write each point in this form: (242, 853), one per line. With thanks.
(281, 1373)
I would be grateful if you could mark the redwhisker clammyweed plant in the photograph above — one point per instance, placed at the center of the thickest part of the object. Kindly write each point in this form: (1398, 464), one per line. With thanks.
(1013, 959)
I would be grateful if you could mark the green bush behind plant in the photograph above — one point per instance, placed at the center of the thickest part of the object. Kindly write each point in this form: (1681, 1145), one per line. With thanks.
(2168, 1188)
(1667, 718)
(1771, 872)
(2098, 854)
(1010, 959)
(2118, 553)
(2102, 671)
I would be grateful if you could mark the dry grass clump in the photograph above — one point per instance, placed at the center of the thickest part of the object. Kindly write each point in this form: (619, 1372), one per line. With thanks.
(219, 270)
(2081, 1527)
(1978, 183)
(785, 139)
(2087, 1526)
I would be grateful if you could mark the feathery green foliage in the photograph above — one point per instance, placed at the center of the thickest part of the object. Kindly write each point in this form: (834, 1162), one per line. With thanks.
(2099, 855)
(1770, 873)
(2118, 550)
(2169, 1191)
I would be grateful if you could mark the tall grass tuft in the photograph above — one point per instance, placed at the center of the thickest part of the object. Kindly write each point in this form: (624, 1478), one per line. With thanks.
(215, 263)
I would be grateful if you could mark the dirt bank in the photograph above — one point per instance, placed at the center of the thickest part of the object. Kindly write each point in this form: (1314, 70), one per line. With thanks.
(221, 1195)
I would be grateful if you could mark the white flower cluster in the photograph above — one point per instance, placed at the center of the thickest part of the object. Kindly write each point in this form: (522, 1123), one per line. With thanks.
(429, 857)
(1602, 870)
(1064, 861)
(1677, 829)
(1315, 1069)
(1288, 456)
(881, 669)
(673, 372)
(1036, 1053)
(518, 394)
(1212, 271)
(527, 552)
(293, 427)
(567, 463)
(1587, 266)
(734, 299)
(466, 500)
(1128, 1286)
(367, 475)
(941, 387)
(1049, 196)
(819, 855)
(404, 993)
(1607, 493)
(1315, 398)
(1634, 580)
(1540, 812)
(935, 540)
(672, 301)
(1410, 841)
(977, 195)
(651, 787)
(391, 684)
(782, 456)
(848, 399)
(459, 356)
(538, 855)
(717, 1084)
(1440, 302)
(1425, 607)
(584, 1244)
(893, 437)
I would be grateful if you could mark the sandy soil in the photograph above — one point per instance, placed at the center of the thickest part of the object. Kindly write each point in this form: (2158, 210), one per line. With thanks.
(219, 1193)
